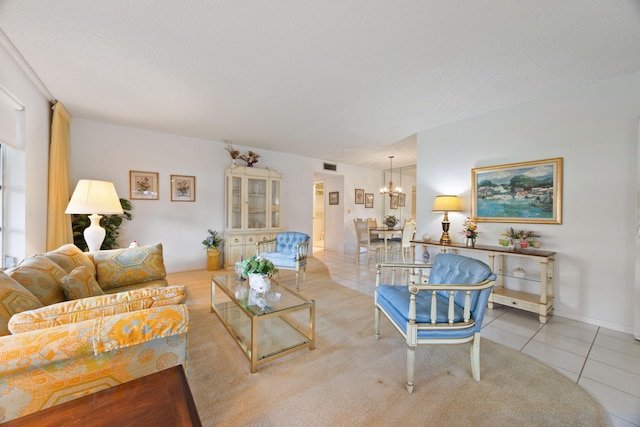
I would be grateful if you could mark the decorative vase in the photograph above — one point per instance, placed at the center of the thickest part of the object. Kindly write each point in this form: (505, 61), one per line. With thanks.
(260, 283)
(390, 222)
(213, 259)
(471, 242)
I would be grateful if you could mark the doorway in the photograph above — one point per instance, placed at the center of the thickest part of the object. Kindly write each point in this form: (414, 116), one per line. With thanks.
(318, 215)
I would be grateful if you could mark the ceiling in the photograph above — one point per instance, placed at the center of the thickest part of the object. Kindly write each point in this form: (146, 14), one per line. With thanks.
(348, 81)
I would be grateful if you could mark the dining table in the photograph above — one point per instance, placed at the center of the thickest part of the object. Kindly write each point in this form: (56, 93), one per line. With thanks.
(387, 234)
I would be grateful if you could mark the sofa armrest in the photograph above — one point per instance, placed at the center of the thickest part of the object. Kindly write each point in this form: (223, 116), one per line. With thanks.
(94, 307)
(39, 348)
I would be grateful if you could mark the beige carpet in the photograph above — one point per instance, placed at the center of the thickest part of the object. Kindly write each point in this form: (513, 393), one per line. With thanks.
(352, 379)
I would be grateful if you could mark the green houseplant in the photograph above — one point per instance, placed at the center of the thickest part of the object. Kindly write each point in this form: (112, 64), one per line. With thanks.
(258, 265)
(259, 270)
(111, 224)
(211, 245)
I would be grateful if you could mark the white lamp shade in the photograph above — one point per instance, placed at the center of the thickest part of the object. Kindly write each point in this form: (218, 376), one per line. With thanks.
(94, 197)
(446, 204)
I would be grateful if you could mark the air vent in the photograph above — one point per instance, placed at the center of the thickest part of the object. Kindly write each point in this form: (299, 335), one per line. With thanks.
(330, 167)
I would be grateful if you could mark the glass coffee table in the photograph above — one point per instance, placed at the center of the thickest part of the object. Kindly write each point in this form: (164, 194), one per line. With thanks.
(267, 327)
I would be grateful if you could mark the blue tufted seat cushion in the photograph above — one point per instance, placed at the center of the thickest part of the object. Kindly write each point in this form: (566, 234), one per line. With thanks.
(396, 300)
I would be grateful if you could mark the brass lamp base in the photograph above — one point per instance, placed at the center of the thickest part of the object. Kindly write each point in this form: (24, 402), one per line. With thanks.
(445, 239)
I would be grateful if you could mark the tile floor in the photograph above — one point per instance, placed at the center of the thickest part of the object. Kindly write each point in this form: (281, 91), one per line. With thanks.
(603, 361)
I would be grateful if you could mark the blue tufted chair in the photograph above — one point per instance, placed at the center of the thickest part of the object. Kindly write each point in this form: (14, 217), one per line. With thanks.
(290, 252)
(447, 309)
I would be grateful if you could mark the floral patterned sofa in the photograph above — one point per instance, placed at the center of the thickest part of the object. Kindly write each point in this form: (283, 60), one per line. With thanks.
(74, 323)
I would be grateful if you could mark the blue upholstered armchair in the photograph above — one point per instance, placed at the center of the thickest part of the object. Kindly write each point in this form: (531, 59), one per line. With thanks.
(448, 308)
(289, 252)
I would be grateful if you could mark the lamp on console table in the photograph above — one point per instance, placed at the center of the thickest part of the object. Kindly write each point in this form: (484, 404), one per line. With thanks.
(446, 204)
(91, 198)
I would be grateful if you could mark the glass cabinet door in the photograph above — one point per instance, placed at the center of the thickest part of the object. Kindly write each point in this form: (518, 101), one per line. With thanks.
(235, 215)
(257, 200)
(275, 204)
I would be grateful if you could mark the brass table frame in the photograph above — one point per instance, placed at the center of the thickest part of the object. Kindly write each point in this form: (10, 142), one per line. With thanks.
(263, 334)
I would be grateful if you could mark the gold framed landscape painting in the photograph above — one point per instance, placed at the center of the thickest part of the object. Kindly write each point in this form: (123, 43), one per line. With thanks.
(183, 188)
(143, 185)
(527, 192)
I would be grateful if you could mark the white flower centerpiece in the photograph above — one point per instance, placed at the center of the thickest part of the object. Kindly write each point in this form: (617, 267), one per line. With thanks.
(259, 271)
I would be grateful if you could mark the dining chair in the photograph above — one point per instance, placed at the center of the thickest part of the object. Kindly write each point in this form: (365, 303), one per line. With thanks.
(404, 245)
(448, 309)
(364, 240)
(373, 224)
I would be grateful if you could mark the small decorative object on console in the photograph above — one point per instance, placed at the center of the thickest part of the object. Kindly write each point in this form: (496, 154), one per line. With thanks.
(519, 272)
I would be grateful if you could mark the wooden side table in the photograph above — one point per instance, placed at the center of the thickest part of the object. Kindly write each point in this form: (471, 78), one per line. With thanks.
(160, 399)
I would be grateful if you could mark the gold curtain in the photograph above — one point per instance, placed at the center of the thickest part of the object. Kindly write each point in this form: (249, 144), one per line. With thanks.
(59, 230)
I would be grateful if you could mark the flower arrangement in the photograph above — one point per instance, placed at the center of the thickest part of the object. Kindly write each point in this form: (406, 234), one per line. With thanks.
(390, 221)
(258, 265)
(232, 151)
(520, 234)
(212, 241)
(469, 229)
(250, 157)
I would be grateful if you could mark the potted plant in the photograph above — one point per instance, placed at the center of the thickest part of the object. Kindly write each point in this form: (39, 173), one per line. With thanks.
(520, 238)
(259, 270)
(211, 245)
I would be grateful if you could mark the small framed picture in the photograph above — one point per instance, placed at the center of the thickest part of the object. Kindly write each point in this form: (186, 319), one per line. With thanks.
(359, 196)
(401, 199)
(183, 188)
(334, 198)
(143, 185)
(368, 200)
(393, 203)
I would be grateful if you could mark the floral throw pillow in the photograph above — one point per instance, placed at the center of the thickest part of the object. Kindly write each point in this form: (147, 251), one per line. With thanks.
(80, 283)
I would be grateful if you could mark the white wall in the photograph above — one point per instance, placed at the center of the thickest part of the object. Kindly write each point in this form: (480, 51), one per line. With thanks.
(26, 166)
(595, 130)
(109, 152)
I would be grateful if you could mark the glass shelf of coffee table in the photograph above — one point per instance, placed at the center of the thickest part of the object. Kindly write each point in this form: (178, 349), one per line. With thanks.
(266, 328)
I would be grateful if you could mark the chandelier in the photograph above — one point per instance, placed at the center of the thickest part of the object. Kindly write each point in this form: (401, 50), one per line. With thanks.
(390, 189)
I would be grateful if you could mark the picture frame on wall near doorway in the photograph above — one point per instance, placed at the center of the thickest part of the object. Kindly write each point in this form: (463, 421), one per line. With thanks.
(359, 196)
(334, 198)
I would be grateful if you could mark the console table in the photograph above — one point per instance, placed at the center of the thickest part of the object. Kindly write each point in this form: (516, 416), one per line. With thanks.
(541, 302)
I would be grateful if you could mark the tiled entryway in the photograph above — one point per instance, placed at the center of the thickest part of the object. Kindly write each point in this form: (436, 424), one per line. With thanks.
(603, 361)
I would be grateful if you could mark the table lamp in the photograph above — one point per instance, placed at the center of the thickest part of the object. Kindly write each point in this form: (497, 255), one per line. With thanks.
(446, 204)
(94, 198)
